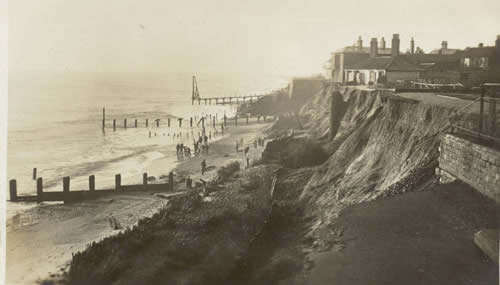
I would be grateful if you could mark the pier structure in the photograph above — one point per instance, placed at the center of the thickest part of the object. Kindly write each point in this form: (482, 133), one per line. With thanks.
(221, 100)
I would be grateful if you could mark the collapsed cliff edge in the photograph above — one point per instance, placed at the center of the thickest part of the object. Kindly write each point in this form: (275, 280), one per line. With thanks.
(366, 145)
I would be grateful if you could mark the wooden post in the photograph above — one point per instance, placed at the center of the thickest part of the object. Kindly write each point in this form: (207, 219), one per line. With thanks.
(481, 110)
(145, 178)
(114, 124)
(125, 123)
(66, 184)
(158, 123)
(34, 173)
(171, 181)
(39, 189)
(91, 183)
(13, 190)
(118, 181)
(191, 122)
(146, 123)
(136, 123)
(103, 117)
(247, 119)
(168, 122)
(180, 122)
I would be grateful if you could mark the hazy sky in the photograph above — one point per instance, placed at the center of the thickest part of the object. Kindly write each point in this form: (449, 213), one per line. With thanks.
(293, 37)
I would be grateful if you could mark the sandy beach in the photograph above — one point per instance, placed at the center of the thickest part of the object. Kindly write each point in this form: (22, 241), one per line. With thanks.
(41, 240)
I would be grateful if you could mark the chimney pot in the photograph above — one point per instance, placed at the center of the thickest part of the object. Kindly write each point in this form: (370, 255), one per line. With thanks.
(373, 47)
(382, 43)
(444, 44)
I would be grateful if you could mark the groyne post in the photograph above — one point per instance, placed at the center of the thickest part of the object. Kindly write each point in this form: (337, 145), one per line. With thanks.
(171, 181)
(13, 190)
(125, 123)
(135, 123)
(158, 123)
(34, 173)
(39, 189)
(168, 122)
(180, 122)
(147, 123)
(103, 117)
(191, 122)
(114, 124)
(118, 181)
(91, 183)
(145, 178)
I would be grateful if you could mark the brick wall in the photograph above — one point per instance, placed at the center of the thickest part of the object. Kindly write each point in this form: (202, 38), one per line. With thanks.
(477, 165)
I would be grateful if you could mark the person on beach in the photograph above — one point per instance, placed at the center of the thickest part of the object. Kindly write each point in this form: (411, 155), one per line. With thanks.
(247, 149)
(248, 161)
(203, 167)
(237, 146)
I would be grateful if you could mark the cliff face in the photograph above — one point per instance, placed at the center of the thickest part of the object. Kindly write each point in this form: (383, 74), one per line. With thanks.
(381, 144)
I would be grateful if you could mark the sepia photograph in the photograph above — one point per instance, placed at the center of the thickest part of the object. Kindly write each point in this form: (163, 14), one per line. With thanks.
(318, 142)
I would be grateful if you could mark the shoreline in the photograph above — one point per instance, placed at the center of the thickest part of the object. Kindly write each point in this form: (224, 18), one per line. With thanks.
(42, 238)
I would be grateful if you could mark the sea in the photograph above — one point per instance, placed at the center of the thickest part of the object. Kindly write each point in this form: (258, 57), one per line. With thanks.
(55, 122)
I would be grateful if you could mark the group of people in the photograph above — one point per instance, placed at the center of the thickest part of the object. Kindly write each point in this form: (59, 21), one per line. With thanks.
(182, 151)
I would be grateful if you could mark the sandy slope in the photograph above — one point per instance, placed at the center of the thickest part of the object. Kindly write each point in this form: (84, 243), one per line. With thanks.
(40, 241)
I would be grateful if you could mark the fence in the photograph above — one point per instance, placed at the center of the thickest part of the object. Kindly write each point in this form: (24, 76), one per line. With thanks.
(480, 118)
(71, 196)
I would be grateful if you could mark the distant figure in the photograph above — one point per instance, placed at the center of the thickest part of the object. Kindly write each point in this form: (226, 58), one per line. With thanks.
(203, 167)
(248, 161)
(247, 149)
(189, 182)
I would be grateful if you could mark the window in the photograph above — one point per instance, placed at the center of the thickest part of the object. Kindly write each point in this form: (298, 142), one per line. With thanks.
(467, 62)
(483, 62)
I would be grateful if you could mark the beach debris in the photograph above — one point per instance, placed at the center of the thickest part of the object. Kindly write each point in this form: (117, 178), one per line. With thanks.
(113, 223)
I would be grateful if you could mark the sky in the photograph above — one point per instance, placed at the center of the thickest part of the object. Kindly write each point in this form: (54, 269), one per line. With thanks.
(288, 37)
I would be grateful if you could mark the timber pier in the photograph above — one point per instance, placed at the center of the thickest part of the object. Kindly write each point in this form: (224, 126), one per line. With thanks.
(222, 99)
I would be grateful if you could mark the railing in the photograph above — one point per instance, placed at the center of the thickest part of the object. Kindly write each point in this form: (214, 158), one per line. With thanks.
(480, 118)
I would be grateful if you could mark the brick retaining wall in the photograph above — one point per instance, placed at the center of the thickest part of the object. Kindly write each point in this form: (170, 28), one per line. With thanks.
(477, 165)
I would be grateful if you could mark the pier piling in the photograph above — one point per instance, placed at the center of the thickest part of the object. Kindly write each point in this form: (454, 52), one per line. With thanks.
(145, 178)
(34, 173)
(13, 190)
(39, 189)
(118, 181)
(91, 183)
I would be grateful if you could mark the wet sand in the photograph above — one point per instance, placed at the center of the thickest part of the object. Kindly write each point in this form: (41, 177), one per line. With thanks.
(41, 240)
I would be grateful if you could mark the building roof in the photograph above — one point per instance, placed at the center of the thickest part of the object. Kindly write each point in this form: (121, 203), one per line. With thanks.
(444, 51)
(398, 63)
(431, 58)
(479, 51)
(354, 49)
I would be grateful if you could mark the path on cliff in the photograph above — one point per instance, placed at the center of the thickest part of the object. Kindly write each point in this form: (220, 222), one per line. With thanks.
(414, 238)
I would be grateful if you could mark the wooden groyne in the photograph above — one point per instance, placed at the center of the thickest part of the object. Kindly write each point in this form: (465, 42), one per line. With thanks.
(66, 195)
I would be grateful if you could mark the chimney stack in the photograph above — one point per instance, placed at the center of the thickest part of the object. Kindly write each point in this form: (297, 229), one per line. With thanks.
(395, 45)
(497, 45)
(373, 48)
(360, 43)
(444, 45)
(412, 46)
(382, 43)
(480, 45)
